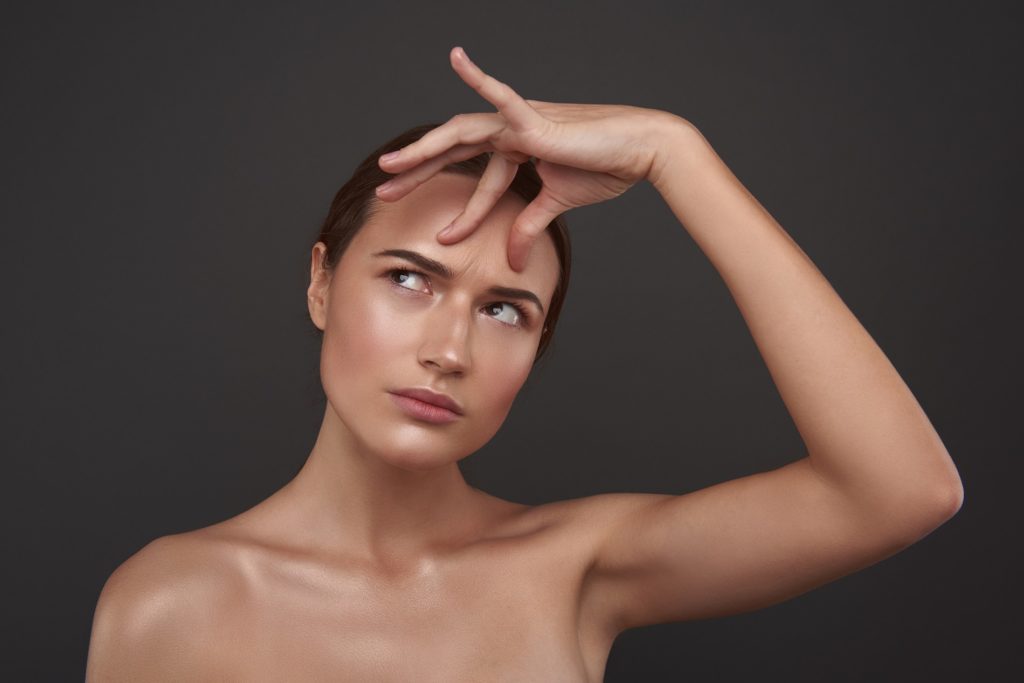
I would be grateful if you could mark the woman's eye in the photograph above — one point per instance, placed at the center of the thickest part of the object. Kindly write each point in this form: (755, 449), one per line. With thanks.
(403, 278)
(513, 315)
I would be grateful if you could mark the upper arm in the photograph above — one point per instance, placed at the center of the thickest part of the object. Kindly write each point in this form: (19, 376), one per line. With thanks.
(144, 620)
(740, 545)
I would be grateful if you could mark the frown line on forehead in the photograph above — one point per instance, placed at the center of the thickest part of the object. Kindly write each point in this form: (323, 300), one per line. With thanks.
(441, 270)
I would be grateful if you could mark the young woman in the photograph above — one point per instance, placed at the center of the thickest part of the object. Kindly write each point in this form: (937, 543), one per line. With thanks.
(378, 562)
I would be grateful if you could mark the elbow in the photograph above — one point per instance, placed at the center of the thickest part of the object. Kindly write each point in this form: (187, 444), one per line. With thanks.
(949, 492)
(945, 494)
(938, 507)
(951, 499)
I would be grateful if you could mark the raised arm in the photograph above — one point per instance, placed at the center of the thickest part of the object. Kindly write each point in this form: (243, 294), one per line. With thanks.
(865, 433)
(875, 479)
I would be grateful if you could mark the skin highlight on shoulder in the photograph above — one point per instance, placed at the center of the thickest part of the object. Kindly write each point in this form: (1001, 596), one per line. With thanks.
(154, 608)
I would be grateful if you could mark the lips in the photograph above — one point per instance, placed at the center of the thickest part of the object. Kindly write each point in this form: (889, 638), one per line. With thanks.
(431, 397)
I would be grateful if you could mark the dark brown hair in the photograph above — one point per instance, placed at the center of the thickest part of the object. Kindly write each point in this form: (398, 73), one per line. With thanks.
(357, 201)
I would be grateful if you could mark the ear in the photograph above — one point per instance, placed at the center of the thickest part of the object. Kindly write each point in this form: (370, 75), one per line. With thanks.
(319, 286)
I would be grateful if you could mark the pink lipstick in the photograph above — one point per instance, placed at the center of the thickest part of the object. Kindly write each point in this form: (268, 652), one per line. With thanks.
(426, 405)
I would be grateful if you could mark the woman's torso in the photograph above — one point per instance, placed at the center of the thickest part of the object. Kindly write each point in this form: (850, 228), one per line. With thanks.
(510, 606)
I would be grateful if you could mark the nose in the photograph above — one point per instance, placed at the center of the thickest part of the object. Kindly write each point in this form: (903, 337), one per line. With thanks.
(446, 339)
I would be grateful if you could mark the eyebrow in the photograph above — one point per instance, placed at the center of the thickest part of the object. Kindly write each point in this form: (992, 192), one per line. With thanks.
(443, 271)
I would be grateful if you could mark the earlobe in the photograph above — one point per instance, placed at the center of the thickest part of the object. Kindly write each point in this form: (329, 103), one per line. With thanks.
(316, 311)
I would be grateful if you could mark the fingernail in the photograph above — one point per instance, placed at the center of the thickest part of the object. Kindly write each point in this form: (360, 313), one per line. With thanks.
(390, 156)
(447, 230)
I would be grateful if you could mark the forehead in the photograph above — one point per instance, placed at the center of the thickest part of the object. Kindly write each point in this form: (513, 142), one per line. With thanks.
(414, 221)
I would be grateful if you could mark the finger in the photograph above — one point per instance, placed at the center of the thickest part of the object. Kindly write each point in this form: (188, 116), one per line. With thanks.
(464, 129)
(533, 220)
(495, 180)
(404, 183)
(519, 114)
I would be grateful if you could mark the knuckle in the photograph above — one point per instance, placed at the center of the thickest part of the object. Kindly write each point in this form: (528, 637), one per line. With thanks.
(532, 226)
(477, 204)
(489, 186)
(505, 91)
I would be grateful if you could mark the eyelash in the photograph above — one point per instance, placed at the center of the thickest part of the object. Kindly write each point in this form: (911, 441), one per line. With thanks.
(524, 316)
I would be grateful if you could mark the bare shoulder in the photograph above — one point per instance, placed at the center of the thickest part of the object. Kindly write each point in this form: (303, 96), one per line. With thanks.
(153, 609)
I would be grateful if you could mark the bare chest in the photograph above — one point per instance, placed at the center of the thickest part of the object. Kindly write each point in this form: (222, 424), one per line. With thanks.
(505, 613)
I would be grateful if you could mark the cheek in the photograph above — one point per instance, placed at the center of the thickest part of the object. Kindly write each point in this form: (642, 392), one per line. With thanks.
(374, 327)
(364, 335)
(499, 377)
(501, 370)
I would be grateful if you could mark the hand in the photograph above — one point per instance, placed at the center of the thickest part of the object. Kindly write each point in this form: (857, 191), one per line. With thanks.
(584, 154)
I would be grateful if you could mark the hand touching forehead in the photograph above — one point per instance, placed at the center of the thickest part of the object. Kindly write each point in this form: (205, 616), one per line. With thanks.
(412, 223)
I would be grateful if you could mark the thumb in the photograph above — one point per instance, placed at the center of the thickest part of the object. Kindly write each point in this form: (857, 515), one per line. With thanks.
(529, 224)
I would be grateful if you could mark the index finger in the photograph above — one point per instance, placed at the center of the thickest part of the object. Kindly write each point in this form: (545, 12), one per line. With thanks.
(515, 109)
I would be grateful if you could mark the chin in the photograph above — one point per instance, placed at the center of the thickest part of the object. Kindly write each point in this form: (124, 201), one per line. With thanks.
(418, 449)
(410, 445)
(423, 459)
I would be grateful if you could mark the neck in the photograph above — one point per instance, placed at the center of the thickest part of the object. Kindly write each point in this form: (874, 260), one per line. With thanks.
(348, 500)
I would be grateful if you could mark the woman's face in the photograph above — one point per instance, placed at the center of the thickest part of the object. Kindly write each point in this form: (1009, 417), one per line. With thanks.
(391, 324)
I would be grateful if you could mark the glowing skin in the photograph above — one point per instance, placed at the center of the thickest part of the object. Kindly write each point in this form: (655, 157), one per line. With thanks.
(378, 562)
(384, 332)
(378, 483)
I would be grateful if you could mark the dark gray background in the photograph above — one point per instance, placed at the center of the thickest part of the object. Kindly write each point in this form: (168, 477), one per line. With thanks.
(165, 168)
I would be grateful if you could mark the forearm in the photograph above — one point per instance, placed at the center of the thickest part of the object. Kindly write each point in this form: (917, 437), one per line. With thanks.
(863, 429)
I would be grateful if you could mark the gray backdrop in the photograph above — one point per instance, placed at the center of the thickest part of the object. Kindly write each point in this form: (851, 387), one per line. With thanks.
(166, 167)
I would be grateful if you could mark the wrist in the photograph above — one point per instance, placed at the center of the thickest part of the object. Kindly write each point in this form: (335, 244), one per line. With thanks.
(677, 141)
